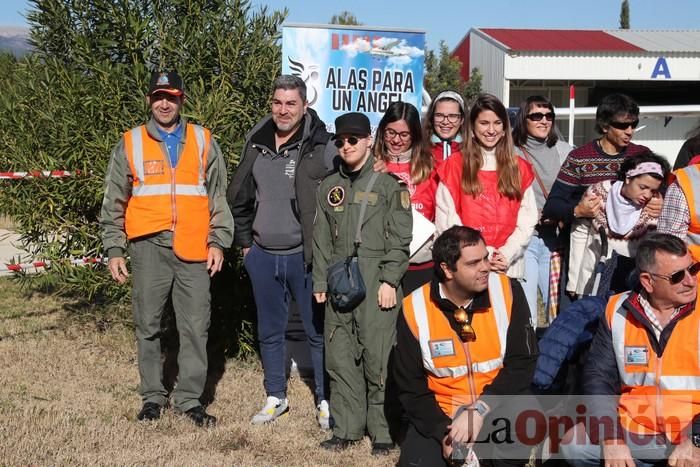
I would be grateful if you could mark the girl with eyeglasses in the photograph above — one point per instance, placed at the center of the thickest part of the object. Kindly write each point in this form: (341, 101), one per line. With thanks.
(489, 188)
(445, 128)
(399, 143)
(537, 141)
(640, 179)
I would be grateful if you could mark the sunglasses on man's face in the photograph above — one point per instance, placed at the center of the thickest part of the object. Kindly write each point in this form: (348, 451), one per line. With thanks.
(537, 116)
(678, 276)
(340, 142)
(466, 331)
(625, 125)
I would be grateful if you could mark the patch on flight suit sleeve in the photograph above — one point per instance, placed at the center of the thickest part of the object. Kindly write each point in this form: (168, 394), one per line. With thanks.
(405, 200)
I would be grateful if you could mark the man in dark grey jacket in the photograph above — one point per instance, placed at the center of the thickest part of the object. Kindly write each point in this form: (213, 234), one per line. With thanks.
(272, 198)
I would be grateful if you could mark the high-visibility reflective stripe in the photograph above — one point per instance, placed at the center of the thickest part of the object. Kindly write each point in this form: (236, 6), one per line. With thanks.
(617, 329)
(693, 237)
(451, 371)
(498, 306)
(488, 365)
(137, 147)
(639, 379)
(199, 136)
(165, 189)
(421, 315)
(680, 383)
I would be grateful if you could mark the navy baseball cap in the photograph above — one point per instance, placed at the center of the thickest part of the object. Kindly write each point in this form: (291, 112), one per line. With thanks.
(166, 81)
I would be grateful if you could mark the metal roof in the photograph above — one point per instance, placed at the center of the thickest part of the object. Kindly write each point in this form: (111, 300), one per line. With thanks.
(661, 41)
(577, 40)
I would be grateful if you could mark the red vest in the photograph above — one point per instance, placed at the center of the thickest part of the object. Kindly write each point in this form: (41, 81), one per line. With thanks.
(439, 151)
(489, 212)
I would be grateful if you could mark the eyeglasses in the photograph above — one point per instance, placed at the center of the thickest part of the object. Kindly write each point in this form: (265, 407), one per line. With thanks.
(537, 116)
(452, 118)
(678, 276)
(625, 125)
(466, 331)
(390, 133)
(340, 142)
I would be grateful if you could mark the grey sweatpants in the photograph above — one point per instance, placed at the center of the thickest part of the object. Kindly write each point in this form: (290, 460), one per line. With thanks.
(156, 274)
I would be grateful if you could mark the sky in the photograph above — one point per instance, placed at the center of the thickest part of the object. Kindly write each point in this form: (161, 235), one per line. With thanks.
(451, 20)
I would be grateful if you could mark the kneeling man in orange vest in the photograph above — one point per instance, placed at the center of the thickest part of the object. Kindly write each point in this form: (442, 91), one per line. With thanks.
(644, 366)
(464, 342)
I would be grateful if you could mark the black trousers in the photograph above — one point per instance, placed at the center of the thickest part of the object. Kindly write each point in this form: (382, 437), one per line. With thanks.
(419, 451)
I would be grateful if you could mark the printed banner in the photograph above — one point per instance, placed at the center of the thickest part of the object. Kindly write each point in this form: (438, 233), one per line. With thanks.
(352, 69)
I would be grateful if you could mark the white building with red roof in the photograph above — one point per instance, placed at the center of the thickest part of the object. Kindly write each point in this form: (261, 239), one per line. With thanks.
(659, 69)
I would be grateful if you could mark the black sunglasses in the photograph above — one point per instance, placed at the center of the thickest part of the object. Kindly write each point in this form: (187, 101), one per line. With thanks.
(340, 142)
(678, 276)
(537, 116)
(625, 125)
(466, 332)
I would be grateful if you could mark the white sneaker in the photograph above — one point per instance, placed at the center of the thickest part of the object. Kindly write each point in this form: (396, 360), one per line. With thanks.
(323, 415)
(272, 409)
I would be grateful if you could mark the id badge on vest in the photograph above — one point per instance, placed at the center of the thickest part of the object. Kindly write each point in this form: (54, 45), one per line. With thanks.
(636, 355)
(442, 348)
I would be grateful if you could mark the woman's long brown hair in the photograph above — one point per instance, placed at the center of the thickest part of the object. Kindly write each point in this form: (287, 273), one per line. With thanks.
(506, 162)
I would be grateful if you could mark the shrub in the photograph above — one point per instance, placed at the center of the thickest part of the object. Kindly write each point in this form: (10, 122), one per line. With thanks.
(65, 106)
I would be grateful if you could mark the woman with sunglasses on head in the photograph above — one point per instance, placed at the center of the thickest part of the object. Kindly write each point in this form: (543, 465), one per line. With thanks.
(617, 116)
(400, 145)
(537, 141)
(622, 216)
(489, 188)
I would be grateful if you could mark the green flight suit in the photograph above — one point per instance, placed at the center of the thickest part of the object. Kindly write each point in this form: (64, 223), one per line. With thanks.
(358, 343)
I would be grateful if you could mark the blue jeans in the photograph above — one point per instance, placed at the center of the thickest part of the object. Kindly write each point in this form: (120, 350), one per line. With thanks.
(276, 279)
(537, 257)
(645, 451)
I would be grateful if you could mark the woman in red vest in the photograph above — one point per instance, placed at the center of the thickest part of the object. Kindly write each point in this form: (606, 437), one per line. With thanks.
(489, 188)
(399, 143)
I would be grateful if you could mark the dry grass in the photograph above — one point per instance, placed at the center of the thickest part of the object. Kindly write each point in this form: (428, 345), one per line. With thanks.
(68, 397)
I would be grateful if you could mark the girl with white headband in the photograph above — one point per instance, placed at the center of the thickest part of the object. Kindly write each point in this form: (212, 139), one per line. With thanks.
(444, 126)
(640, 178)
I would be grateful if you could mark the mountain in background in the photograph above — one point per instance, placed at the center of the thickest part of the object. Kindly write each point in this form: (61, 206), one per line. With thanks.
(14, 39)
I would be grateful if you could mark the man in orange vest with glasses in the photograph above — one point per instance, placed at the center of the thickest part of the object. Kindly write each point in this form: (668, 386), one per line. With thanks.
(464, 344)
(643, 366)
(165, 195)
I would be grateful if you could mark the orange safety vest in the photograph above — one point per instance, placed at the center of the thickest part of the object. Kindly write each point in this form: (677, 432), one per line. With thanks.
(166, 198)
(458, 372)
(688, 180)
(660, 395)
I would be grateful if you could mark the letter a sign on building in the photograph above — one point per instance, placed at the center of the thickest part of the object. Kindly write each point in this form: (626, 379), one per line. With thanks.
(661, 69)
(355, 69)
